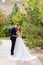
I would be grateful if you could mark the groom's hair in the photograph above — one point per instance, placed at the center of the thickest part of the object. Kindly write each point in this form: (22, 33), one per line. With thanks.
(17, 24)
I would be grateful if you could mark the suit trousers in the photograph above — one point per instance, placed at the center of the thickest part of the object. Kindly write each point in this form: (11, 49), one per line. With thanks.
(12, 46)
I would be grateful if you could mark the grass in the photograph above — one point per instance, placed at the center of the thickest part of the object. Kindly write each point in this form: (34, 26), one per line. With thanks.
(4, 38)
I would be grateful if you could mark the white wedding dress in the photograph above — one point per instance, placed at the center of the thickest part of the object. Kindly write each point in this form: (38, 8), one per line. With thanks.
(21, 52)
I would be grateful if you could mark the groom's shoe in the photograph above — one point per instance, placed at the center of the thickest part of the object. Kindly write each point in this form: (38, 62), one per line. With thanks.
(12, 53)
(11, 57)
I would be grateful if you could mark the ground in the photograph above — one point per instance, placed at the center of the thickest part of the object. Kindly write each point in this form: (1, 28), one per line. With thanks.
(5, 51)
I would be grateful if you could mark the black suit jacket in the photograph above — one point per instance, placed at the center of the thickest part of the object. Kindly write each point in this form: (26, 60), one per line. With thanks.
(13, 32)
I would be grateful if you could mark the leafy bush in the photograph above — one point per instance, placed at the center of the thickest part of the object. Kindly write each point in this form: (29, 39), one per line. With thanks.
(3, 18)
(18, 18)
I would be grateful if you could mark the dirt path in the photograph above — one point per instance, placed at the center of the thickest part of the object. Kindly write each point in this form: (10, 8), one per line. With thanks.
(5, 52)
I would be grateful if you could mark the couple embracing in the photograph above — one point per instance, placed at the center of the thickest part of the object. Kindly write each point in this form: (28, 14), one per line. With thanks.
(18, 48)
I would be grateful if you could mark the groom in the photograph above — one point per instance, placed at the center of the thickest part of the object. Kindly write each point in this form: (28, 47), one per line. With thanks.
(13, 37)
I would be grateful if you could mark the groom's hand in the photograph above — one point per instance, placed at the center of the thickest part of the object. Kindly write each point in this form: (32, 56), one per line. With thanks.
(15, 35)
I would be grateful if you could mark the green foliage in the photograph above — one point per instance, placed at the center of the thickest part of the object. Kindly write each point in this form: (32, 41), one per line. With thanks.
(13, 18)
(18, 18)
(15, 9)
(3, 18)
(3, 22)
(4, 31)
(32, 26)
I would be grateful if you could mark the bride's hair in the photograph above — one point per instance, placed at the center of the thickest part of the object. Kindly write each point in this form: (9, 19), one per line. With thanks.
(20, 29)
